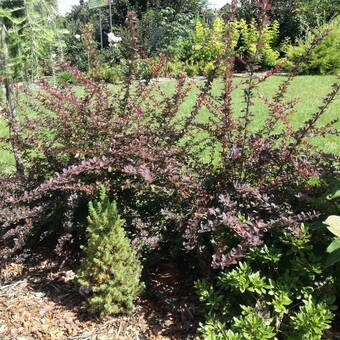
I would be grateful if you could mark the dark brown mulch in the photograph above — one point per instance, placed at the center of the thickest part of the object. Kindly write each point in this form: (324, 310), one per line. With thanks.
(39, 299)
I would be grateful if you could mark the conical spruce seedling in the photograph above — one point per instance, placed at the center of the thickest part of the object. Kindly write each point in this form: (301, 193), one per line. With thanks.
(110, 270)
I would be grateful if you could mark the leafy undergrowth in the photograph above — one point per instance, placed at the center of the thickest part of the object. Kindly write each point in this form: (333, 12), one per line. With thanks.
(39, 299)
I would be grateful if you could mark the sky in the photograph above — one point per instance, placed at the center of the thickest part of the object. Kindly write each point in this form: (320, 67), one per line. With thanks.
(217, 3)
(65, 5)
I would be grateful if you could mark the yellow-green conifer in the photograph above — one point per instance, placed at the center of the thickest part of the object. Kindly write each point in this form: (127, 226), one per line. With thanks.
(110, 270)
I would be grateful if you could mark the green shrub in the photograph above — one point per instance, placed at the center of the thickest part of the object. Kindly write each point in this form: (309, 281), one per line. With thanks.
(207, 41)
(65, 77)
(205, 45)
(249, 38)
(110, 269)
(280, 288)
(112, 55)
(142, 69)
(175, 67)
(181, 47)
(325, 57)
(192, 69)
(249, 325)
(311, 320)
(109, 74)
(160, 27)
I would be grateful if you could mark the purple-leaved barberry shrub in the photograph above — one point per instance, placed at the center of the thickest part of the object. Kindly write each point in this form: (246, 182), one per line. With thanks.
(148, 151)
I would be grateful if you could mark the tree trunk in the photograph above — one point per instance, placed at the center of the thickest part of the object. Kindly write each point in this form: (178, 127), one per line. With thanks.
(14, 128)
(13, 122)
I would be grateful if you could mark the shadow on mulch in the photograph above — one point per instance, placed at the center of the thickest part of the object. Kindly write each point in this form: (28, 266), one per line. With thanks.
(168, 310)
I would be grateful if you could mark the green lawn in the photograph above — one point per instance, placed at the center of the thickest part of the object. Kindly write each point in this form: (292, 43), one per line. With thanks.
(308, 90)
(6, 159)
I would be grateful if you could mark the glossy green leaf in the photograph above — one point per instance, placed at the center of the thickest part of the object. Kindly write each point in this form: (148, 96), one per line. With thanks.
(334, 196)
(333, 258)
(334, 225)
(335, 245)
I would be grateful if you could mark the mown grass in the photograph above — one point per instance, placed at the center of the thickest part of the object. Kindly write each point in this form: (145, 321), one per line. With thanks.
(309, 92)
(6, 157)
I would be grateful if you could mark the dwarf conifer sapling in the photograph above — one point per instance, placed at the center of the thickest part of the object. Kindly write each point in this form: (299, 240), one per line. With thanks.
(110, 270)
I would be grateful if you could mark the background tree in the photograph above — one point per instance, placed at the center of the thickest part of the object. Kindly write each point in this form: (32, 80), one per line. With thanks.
(29, 39)
(294, 16)
(161, 22)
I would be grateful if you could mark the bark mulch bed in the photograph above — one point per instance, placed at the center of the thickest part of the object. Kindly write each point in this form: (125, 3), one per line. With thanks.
(39, 299)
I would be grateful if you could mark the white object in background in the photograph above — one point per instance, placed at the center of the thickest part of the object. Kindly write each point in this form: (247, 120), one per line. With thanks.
(113, 39)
